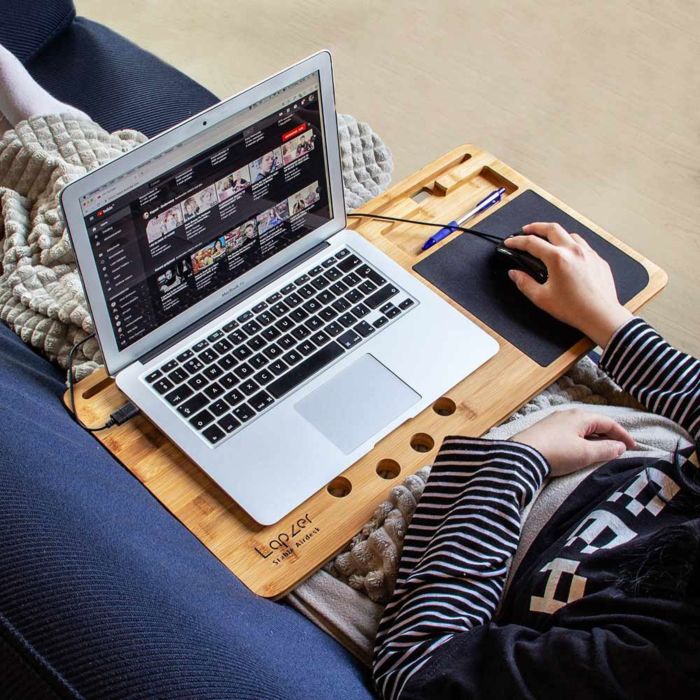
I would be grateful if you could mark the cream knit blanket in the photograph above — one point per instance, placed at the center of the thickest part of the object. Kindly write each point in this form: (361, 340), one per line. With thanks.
(41, 295)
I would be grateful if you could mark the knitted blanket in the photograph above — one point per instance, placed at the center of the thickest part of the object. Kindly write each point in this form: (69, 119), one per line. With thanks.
(41, 294)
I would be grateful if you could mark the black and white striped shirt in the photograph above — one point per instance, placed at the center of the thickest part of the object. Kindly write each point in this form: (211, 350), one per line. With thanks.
(467, 525)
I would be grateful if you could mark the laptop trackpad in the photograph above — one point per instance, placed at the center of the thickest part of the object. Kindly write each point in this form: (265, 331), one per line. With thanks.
(357, 403)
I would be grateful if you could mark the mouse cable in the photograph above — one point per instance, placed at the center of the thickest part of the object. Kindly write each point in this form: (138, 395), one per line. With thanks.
(479, 234)
(121, 415)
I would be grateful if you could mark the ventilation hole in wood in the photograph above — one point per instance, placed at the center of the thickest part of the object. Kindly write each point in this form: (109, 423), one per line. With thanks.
(444, 406)
(388, 469)
(97, 388)
(339, 487)
(421, 442)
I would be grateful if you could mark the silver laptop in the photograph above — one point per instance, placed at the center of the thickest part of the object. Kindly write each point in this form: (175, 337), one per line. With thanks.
(273, 345)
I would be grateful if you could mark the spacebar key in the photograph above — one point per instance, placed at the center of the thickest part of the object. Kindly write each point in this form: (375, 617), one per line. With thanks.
(301, 372)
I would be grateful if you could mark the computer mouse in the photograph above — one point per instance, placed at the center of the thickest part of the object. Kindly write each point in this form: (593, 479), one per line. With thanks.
(512, 259)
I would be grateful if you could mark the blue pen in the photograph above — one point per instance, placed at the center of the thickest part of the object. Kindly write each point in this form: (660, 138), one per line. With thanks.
(483, 205)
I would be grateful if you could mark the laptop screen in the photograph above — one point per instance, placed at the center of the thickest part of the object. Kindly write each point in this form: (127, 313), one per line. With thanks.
(163, 240)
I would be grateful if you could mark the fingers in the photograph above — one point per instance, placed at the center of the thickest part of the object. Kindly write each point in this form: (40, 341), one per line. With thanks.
(596, 424)
(603, 450)
(554, 233)
(526, 284)
(538, 247)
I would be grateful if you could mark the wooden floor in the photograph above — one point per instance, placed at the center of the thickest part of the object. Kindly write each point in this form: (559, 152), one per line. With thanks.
(598, 102)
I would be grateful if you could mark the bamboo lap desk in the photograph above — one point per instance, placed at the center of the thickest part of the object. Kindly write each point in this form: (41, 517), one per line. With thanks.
(271, 560)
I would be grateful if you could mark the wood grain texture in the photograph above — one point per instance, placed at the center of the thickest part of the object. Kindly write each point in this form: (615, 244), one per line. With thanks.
(272, 560)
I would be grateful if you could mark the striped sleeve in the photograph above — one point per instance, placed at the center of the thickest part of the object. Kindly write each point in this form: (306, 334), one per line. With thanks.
(662, 378)
(456, 552)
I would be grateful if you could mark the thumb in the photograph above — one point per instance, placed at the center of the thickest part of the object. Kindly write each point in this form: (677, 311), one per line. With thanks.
(604, 450)
(525, 283)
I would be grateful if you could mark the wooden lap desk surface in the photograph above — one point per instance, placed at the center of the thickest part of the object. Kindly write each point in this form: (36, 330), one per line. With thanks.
(271, 560)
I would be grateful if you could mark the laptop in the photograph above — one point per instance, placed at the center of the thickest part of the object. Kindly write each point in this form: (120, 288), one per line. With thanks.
(232, 305)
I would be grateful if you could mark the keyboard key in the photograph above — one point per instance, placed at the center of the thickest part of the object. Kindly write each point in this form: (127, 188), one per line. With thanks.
(381, 321)
(298, 315)
(289, 288)
(314, 323)
(261, 401)
(228, 380)
(301, 280)
(169, 366)
(273, 298)
(304, 370)
(177, 376)
(349, 262)
(252, 327)
(301, 332)
(351, 279)
(249, 387)
(360, 310)
(306, 347)
(347, 320)
(227, 361)
(218, 408)
(214, 390)
(320, 283)
(200, 345)
(342, 253)
(150, 378)
(230, 326)
(341, 305)
(272, 351)
(256, 342)
(381, 296)
(264, 376)
(243, 412)
(193, 365)
(271, 333)
(237, 337)
(228, 423)
(259, 307)
(258, 361)
(278, 367)
(293, 300)
(393, 311)
(162, 385)
(242, 352)
(199, 381)
(202, 419)
(315, 270)
(349, 339)
(327, 314)
(213, 371)
(191, 406)
(223, 346)
(286, 342)
(234, 397)
(312, 306)
(213, 433)
(215, 336)
(405, 304)
(370, 274)
(325, 297)
(185, 355)
(279, 309)
(339, 288)
(265, 318)
(307, 291)
(334, 329)
(386, 307)
(364, 329)
(284, 324)
(328, 262)
(243, 371)
(354, 295)
(320, 338)
(208, 355)
(292, 357)
(178, 395)
(333, 274)
(245, 316)
(367, 287)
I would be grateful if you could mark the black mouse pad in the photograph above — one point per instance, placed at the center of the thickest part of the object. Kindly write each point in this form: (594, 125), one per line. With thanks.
(464, 270)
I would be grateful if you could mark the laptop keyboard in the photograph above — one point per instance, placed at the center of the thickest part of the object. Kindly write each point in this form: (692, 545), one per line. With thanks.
(253, 361)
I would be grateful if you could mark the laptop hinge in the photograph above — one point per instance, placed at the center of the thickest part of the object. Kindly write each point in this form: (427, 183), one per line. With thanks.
(234, 301)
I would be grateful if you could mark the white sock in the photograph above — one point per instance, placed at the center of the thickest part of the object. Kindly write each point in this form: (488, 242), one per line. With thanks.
(22, 97)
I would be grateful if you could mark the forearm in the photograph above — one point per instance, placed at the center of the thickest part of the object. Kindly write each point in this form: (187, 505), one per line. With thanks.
(456, 552)
(662, 378)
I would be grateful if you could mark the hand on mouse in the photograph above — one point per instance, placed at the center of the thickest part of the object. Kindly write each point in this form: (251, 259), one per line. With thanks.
(574, 439)
(580, 289)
